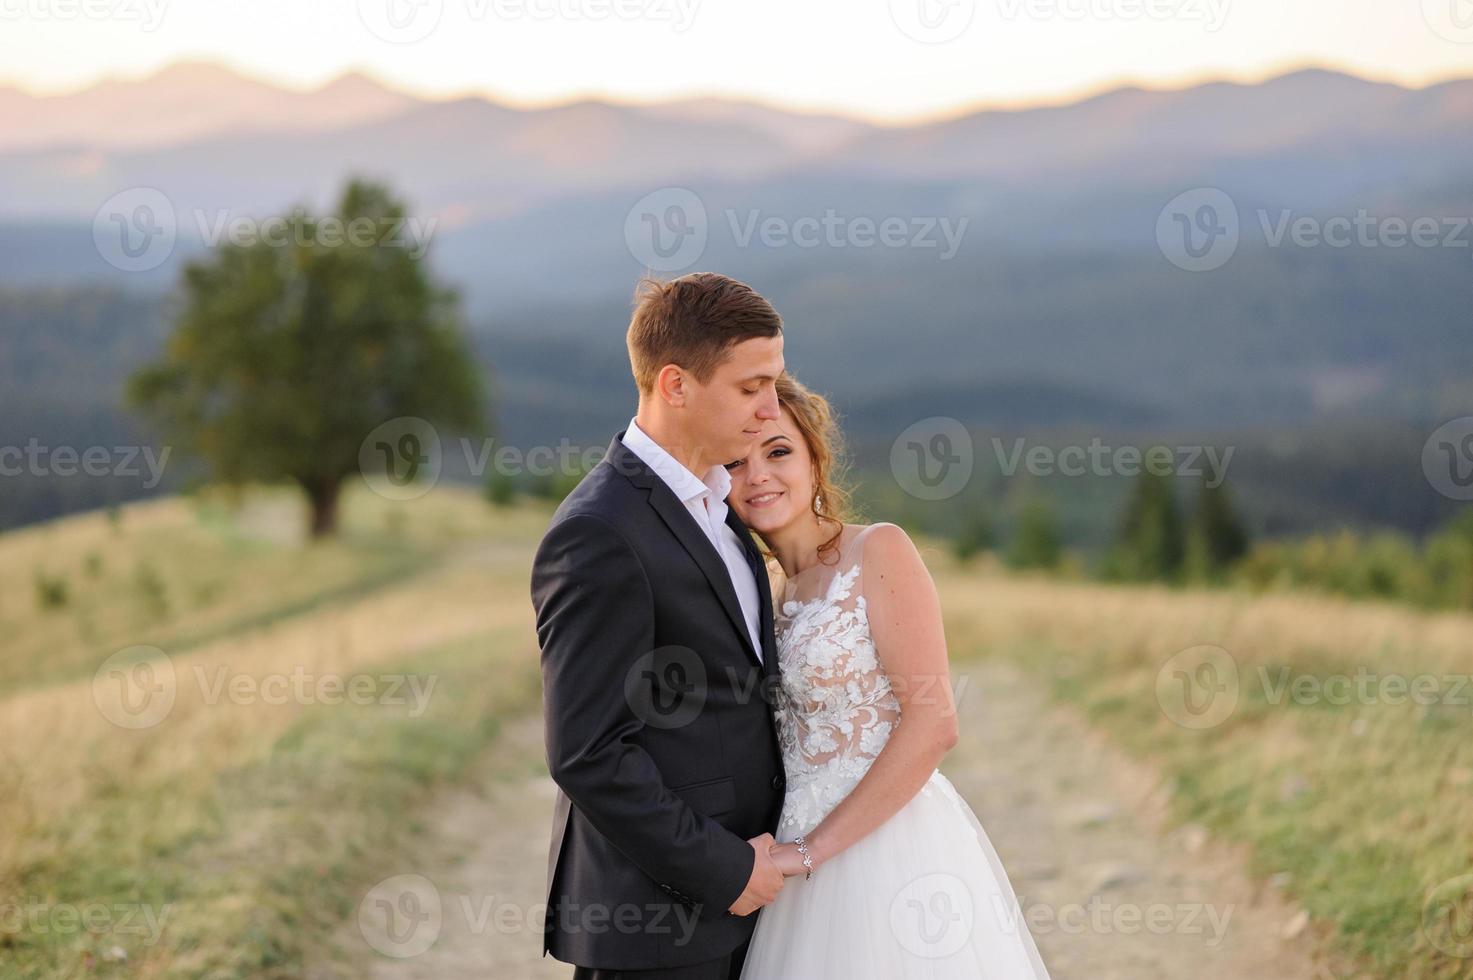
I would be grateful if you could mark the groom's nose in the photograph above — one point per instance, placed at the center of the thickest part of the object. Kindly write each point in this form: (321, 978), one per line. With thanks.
(769, 408)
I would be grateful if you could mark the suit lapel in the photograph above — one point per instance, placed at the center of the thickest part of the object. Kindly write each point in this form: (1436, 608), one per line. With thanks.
(673, 512)
(765, 629)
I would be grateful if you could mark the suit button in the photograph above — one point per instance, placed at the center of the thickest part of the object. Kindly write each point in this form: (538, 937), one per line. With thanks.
(778, 782)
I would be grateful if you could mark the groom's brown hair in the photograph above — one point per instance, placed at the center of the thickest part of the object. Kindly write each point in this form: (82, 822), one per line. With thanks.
(692, 321)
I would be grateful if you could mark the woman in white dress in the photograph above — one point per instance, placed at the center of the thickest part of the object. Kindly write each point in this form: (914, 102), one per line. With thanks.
(891, 874)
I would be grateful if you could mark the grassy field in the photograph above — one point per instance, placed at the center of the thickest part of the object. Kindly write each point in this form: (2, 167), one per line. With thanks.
(222, 831)
(1334, 738)
(230, 832)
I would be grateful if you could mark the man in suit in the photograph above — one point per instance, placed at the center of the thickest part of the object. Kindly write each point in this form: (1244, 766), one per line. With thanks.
(658, 658)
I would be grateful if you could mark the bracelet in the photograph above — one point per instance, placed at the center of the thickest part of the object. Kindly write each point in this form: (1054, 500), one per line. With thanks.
(807, 860)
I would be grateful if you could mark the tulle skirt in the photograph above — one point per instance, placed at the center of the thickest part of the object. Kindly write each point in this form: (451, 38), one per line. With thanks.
(924, 897)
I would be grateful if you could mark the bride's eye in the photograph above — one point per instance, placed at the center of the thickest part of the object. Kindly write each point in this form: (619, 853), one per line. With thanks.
(734, 464)
(779, 451)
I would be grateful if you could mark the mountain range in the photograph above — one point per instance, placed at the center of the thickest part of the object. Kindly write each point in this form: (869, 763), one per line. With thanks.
(209, 137)
(1059, 307)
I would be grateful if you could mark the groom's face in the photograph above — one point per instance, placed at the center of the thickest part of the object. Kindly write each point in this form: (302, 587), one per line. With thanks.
(727, 412)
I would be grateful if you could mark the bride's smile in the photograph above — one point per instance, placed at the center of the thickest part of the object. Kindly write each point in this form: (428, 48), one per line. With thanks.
(788, 488)
(772, 490)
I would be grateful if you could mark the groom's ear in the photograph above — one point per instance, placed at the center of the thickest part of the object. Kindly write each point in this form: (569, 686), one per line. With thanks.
(670, 384)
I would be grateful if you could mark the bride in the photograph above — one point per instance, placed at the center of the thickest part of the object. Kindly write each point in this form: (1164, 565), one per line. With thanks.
(892, 876)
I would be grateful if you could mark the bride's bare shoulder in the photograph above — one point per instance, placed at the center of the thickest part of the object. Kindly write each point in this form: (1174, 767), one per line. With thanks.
(887, 547)
(896, 582)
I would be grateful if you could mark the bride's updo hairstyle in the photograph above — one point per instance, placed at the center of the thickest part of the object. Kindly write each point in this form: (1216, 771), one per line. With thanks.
(815, 419)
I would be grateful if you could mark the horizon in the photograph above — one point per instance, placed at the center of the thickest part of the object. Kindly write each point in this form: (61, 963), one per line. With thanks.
(879, 65)
(1122, 84)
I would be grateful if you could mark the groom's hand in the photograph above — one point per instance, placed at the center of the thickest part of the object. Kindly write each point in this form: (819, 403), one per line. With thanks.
(766, 880)
(789, 861)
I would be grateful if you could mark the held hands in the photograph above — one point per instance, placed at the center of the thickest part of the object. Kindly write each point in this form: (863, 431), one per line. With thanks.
(787, 858)
(766, 880)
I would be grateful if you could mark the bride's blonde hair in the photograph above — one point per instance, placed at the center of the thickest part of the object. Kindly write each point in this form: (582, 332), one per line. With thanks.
(816, 420)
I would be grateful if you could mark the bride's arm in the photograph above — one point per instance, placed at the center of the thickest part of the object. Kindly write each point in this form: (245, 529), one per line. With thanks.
(905, 622)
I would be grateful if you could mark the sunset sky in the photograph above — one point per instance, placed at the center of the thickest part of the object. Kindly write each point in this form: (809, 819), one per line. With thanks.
(884, 59)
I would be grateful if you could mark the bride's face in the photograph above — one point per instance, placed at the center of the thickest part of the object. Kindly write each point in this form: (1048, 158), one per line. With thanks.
(772, 485)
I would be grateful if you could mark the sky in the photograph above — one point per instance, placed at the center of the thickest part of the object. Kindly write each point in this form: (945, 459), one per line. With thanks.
(887, 60)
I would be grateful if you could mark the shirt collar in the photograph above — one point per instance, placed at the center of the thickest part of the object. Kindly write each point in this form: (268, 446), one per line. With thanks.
(677, 477)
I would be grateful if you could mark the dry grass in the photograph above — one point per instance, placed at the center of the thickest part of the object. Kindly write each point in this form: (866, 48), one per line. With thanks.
(178, 572)
(257, 826)
(1359, 809)
(199, 812)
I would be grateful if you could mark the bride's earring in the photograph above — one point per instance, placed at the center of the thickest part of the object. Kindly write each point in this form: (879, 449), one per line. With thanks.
(818, 502)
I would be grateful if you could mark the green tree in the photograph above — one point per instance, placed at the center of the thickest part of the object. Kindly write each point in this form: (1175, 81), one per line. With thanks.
(291, 350)
(500, 489)
(1450, 562)
(1215, 538)
(1149, 544)
(1036, 543)
(976, 534)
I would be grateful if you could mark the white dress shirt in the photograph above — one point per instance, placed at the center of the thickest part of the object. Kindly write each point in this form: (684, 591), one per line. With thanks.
(705, 499)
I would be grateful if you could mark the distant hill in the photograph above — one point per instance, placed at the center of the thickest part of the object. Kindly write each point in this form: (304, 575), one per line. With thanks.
(1057, 310)
(212, 139)
(1161, 132)
(185, 101)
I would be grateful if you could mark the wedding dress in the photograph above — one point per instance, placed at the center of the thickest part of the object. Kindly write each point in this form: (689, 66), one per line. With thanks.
(924, 895)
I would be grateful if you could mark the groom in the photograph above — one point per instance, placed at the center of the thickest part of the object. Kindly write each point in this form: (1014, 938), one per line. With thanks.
(658, 658)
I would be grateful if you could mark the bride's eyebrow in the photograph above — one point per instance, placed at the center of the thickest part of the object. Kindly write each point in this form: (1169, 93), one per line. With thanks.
(773, 438)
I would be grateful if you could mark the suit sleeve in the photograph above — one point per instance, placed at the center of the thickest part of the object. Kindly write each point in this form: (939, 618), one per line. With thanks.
(595, 620)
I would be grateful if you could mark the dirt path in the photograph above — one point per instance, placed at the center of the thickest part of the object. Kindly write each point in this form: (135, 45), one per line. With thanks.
(1108, 892)
(1108, 896)
(484, 866)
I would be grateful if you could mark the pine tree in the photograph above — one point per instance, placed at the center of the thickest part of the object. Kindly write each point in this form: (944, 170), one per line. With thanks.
(1036, 544)
(1216, 538)
(1150, 544)
(975, 536)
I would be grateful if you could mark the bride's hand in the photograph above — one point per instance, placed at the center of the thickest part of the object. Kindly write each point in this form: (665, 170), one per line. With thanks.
(787, 859)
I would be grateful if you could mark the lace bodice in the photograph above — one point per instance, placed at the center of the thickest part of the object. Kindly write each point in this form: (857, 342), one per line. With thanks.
(836, 708)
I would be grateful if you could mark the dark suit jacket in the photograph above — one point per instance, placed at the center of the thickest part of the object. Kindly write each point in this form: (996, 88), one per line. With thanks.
(659, 725)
